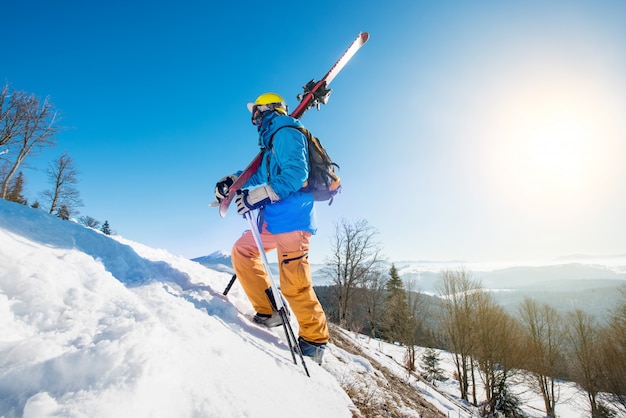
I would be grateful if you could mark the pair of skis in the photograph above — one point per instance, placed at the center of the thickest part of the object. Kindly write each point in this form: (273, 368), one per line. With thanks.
(315, 94)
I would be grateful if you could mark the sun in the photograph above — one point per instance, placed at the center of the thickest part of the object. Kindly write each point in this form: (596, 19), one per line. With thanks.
(552, 147)
(553, 151)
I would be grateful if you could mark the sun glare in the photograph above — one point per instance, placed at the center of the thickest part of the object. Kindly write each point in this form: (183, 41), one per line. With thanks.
(555, 152)
(555, 146)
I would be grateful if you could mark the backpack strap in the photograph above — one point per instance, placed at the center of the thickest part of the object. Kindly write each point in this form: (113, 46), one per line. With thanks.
(270, 145)
(302, 130)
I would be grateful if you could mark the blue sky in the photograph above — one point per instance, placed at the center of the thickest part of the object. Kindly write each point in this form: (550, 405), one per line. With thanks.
(479, 131)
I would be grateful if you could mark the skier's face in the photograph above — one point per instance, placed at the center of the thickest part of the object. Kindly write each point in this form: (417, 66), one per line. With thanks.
(258, 112)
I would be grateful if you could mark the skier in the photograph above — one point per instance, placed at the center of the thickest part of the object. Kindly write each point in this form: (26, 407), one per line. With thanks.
(286, 223)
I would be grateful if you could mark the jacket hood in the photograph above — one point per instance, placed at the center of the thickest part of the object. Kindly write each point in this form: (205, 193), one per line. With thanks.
(271, 124)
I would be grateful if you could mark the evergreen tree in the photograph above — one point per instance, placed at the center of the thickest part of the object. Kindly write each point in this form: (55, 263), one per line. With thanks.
(16, 188)
(63, 212)
(430, 364)
(394, 284)
(106, 229)
(396, 315)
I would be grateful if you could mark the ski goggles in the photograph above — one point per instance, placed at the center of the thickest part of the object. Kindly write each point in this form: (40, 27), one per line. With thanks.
(259, 111)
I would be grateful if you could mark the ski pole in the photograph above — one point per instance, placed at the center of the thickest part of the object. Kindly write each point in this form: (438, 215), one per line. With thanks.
(230, 284)
(280, 306)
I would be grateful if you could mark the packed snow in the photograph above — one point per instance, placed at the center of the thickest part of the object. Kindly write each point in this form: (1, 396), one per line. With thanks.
(99, 326)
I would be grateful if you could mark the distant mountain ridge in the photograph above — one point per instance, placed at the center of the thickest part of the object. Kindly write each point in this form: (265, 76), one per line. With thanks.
(424, 272)
(592, 288)
(218, 260)
(589, 283)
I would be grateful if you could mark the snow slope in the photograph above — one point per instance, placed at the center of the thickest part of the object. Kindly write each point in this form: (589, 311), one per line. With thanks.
(97, 326)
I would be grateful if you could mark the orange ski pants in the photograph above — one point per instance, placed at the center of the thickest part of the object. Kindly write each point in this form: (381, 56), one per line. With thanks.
(295, 278)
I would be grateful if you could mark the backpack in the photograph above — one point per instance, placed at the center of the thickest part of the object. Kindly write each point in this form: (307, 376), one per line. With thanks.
(323, 183)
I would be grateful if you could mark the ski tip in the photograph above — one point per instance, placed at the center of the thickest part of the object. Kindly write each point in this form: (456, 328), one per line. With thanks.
(222, 210)
(364, 36)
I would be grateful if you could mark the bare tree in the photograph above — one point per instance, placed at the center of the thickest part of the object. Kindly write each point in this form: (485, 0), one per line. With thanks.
(613, 340)
(374, 300)
(585, 360)
(27, 125)
(89, 222)
(460, 294)
(9, 124)
(416, 313)
(62, 175)
(496, 352)
(355, 256)
(545, 348)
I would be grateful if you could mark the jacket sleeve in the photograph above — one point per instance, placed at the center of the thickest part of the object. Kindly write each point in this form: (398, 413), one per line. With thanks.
(257, 178)
(289, 162)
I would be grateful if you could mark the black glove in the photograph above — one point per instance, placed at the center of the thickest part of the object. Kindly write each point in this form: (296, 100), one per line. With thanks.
(247, 200)
(222, 187)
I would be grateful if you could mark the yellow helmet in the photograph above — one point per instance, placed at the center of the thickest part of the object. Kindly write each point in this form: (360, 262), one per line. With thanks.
(273, 101)
(265, 104)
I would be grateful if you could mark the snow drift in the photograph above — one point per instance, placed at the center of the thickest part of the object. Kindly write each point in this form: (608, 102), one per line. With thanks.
(98, 326)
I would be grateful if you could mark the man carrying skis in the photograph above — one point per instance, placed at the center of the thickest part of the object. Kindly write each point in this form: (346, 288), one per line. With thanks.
(286, 223)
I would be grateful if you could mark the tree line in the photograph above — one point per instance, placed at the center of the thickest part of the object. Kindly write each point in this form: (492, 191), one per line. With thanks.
(29, 125)
(492, 349)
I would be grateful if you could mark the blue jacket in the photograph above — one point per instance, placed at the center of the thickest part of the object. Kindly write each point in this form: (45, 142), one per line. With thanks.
(285, 168)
